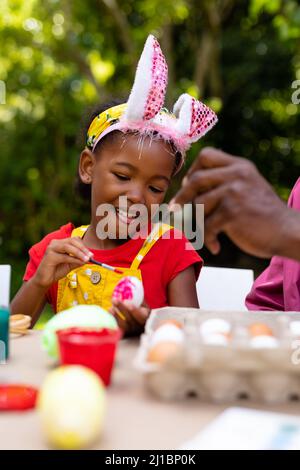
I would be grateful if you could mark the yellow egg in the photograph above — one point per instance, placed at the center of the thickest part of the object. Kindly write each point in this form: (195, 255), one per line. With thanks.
(71, 405)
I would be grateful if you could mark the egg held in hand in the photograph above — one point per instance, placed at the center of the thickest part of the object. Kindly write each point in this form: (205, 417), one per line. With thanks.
(129, 289)
(71, 405)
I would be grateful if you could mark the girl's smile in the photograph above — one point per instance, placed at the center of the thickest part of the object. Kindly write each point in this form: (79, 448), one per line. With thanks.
(123, 175)
(124, 216)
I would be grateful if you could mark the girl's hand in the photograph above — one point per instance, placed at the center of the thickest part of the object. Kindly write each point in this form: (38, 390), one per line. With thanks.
(130, 319)
(61, 256)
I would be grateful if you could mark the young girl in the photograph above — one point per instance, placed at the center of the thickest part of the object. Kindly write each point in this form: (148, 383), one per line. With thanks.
(132, 152)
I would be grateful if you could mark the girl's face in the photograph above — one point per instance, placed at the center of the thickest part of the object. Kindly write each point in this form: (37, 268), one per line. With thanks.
(123, 174)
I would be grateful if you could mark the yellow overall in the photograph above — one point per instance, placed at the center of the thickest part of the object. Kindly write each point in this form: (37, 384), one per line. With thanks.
(92, 284)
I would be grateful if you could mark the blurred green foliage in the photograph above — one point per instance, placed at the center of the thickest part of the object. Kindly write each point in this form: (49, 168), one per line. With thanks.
(59, 56)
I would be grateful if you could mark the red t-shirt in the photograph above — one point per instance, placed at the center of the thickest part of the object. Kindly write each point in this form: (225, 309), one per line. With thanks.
(165, 260)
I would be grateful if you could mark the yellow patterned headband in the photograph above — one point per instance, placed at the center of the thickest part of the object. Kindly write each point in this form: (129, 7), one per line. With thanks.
(102, 123)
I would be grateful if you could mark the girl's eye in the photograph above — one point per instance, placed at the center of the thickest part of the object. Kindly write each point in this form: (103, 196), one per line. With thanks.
(122, 177)
(155, 190)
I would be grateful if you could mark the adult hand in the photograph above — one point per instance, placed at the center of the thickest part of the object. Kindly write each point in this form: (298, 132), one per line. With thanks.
(237, 201)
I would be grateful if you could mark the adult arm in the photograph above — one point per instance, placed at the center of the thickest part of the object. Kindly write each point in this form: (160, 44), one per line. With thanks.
(240, 202)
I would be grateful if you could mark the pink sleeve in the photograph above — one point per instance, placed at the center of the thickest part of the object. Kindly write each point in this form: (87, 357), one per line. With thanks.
(267, 292)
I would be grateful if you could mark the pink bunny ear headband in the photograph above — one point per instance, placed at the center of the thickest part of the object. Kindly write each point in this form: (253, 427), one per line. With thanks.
(144, 112)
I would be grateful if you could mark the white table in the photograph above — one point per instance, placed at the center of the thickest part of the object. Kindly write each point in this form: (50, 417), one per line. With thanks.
(134, 419)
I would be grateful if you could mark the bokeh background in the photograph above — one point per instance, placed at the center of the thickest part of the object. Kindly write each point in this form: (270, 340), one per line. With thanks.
(58, 57)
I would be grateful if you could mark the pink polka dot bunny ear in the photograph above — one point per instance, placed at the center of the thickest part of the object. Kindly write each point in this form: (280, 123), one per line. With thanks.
(144, 112)
(194, 119)
(149, 89)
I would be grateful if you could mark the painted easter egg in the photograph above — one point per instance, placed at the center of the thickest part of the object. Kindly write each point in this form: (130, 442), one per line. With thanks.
(84, 316)
(129, 289)
(71, 405)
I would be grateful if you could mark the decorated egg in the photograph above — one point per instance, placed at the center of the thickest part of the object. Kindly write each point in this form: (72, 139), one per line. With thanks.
(71, 405)
(84, 316)
(163, 351)
(129, 288)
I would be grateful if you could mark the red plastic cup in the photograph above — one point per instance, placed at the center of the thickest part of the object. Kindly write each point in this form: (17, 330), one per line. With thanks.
(91, 348)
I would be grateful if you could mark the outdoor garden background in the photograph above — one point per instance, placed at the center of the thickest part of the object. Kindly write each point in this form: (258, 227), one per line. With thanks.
(58, 57)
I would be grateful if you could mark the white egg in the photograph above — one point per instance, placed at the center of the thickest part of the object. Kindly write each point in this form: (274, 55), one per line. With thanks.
(168, 333)
(215, 325)
(71, 405)
(295, 328)
(129, 289)
(216, 339)
(264, 341)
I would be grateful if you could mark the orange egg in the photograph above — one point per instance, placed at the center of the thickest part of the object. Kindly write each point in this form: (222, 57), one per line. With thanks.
(260, 329)
(227, 336)
(170, 321)
(161, 352)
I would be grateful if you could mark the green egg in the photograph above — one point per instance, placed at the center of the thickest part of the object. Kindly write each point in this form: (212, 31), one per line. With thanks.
(85, 316)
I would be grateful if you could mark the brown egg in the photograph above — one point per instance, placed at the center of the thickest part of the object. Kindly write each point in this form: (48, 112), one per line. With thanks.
(171, 321)
(260, 329)
(161, 352)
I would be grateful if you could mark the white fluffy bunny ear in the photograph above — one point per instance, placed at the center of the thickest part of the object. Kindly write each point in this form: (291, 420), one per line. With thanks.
(148, 92)
(194, 119)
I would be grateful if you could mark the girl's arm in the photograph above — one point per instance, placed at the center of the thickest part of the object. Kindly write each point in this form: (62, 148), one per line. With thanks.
(29, 300)
(61, 256)
(182, 289)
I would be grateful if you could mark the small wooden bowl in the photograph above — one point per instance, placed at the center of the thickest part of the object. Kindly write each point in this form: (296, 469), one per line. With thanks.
(20, 321)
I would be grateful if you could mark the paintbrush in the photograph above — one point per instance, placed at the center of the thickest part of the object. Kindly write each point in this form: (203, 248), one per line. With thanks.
(106, 266)
(115, 270)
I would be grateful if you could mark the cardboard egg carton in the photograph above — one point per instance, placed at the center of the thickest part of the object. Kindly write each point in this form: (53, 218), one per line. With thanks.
(224, 373)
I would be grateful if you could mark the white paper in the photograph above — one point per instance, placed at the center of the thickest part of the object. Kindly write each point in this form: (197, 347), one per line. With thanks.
(4, 285)
(246, 429)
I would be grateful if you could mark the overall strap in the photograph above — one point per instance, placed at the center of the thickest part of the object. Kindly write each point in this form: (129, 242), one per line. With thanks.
(157, 232)
(79, 231)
